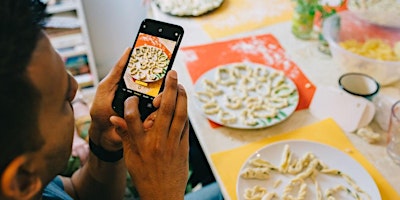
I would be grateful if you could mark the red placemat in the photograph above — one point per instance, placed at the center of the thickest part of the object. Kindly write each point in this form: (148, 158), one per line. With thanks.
(264, 49)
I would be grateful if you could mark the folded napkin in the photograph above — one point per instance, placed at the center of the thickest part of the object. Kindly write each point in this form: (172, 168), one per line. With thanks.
(228, 163)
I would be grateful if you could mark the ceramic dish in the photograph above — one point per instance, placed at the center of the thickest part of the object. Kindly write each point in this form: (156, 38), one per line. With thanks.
(333, 158)
(187, 8)
(235, 90)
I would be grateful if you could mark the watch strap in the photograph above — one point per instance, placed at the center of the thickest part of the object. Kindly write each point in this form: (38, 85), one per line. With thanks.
(104, 155)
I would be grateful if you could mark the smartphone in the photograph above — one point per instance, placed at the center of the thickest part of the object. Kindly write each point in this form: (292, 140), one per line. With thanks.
(150, 59)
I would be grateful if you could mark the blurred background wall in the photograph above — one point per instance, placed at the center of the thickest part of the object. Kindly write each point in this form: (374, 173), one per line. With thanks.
(112, 27)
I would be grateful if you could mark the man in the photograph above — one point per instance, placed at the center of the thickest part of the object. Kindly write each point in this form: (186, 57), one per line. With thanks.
(38, 124)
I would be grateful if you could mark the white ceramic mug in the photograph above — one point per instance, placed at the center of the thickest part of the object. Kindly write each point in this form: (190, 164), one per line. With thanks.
(359, 84)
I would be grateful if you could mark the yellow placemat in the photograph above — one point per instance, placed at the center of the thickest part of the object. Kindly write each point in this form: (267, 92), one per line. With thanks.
(228, 163)
(237, 16)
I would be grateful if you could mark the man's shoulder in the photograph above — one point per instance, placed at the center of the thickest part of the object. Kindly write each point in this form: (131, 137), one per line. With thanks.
(55, 191)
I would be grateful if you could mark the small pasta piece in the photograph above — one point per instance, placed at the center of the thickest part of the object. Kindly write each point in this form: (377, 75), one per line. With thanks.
(277, 183)
(331, 191)
(204, 97)
(141, 75)
(156, 70)
(249, 83)
(248, 118)
(261, 173)
(282, 91)
(233, 102)
(264, 89)
(318, 191)
(288, 190)
(255, 193)
(276, 102)
(212, 87)
(331, 171)
(134, 70)
(253, 100)
(226, 117)
(225, 77)
(311, 168)
(266, 113)
(368, 135)
(279, 79)
(258, 162)
(260, 74)
(211, 108)
(302, 191)
(241, 70)
(301, 164)
(269, 196)
(285, 161)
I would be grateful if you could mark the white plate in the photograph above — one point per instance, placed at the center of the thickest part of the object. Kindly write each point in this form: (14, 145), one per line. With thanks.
(283, 113)
(333, 158)
(187, 8)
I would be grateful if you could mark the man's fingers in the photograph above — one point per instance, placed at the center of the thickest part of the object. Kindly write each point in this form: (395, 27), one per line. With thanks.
(157, 100)
(180, 116)
(117, 70)
(149, 121)
(168, 101)
(121, 128)
(132, 116)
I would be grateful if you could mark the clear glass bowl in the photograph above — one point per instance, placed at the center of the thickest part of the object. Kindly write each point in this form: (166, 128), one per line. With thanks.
(380, 12)
(345, 26)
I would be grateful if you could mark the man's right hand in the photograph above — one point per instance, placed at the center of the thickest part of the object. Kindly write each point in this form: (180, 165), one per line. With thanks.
(156, 155)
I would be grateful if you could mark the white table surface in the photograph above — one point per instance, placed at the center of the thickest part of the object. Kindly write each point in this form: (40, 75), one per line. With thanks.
(319, 68)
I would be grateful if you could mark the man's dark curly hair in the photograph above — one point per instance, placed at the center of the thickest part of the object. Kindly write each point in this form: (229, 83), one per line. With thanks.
(20, 29)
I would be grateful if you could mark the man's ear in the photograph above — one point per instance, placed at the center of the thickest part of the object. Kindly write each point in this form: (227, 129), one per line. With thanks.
(17, 182)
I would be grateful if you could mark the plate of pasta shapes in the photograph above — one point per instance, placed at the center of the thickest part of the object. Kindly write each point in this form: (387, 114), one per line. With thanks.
(246, 95)
(298, 169)
(148, 63)
(187, 8)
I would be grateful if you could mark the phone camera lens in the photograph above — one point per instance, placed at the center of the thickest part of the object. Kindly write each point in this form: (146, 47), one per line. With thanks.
(160, 30)
(144, 26)
(176, 34)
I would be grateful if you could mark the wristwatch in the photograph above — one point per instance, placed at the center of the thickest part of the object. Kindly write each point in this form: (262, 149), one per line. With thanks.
(104, 155)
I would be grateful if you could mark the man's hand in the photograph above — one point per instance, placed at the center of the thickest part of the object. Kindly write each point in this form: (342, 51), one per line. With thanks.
(102, 131)
(157, 156)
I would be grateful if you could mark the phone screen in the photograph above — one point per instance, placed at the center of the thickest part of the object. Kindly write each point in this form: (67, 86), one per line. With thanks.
(148, 64)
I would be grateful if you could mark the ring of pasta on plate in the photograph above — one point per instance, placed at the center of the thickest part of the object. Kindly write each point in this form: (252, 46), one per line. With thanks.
(246, 95)
(148, 63)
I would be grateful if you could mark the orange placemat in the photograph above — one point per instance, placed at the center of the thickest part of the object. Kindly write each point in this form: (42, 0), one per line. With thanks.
(264, 49)
(228, 163)
(238, 16)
